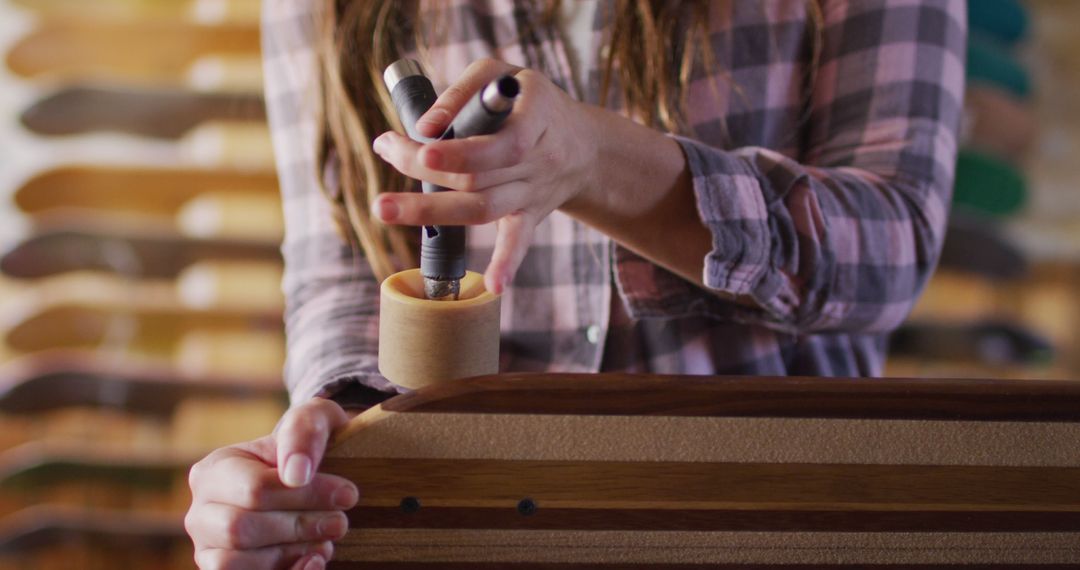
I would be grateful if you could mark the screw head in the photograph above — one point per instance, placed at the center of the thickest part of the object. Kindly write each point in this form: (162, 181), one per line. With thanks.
(526, 507)
(410, 505)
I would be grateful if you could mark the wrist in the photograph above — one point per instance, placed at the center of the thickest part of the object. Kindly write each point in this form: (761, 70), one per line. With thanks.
(589, 155)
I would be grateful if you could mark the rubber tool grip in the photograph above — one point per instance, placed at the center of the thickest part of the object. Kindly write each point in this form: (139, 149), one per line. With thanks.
(442, 248)
(485, 112)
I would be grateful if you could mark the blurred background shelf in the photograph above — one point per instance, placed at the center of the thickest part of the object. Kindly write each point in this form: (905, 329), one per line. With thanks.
(52, 538)
(95, 476)
(56, 379)
(1005, 301)
(140, 296)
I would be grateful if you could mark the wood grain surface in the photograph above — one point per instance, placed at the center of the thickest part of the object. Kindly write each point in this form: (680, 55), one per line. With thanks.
(664, 549)
(709, 486)
(634, 471)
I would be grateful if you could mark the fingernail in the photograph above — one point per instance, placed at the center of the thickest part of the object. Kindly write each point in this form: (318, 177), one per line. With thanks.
(436, 116)
(499, 285)
(297, 470)
(316, 563)
(379, 145)
(433, 158)
(332, 527)
(386, 210)
(346, 497)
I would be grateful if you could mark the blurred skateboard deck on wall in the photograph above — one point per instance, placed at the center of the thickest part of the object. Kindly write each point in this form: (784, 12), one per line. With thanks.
(61, 245)
(204, 11)
(155, 113)
(167, 53)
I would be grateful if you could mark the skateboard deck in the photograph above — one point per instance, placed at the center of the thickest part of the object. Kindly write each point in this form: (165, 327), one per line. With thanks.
(575, 470)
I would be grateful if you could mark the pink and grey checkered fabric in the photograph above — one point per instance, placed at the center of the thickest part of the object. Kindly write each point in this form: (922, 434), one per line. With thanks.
(826, 192)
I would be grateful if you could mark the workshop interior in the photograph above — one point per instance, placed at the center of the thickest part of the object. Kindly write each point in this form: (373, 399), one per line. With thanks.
(140, 278)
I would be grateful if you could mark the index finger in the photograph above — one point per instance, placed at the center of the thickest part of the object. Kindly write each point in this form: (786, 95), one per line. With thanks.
(302, 436)
(250, 484)
(479, 73)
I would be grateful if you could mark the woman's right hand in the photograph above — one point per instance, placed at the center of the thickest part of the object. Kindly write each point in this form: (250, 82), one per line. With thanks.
(261, 504)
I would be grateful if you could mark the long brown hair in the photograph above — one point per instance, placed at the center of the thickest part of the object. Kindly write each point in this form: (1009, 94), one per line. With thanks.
(653, 48)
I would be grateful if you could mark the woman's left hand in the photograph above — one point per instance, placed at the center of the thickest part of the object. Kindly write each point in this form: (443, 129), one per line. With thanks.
(543, 157)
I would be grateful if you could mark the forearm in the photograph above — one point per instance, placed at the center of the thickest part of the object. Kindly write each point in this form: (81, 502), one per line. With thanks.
(726, 221)
(640, 195)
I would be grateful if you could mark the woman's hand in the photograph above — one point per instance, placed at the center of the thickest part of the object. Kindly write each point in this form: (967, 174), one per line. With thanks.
(261, 504)
(543, 157)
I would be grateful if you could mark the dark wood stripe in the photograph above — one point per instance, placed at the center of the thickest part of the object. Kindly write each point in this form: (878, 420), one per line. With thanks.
(343, 565)
(476, 483)
(629, 394)
(715, 520)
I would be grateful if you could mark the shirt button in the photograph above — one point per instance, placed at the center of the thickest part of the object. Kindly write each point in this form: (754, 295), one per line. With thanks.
(593, 334)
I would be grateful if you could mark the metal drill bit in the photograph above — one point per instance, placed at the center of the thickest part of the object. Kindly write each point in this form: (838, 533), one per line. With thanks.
(442, 289)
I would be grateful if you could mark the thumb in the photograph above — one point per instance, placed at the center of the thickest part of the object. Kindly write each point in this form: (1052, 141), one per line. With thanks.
(479, 73)
(301, 439)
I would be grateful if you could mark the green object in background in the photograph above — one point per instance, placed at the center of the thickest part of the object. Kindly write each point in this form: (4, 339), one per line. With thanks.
(988, 185)
(1004, 20)
(988, 62)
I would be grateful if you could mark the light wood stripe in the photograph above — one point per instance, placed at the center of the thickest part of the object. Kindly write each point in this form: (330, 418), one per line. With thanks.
(617, 547)
(522, 437)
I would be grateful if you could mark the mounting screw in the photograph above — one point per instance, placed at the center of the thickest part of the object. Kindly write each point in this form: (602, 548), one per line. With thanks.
(526, 507)
(410, 505)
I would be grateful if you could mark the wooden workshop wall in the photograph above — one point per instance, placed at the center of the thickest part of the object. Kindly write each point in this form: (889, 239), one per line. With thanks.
(140, 305)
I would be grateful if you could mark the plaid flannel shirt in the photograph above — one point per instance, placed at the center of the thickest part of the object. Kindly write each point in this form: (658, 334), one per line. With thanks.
(825, 191)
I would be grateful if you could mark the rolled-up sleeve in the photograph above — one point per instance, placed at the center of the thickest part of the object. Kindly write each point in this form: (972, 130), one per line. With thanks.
(845, 237)
(331, 316)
